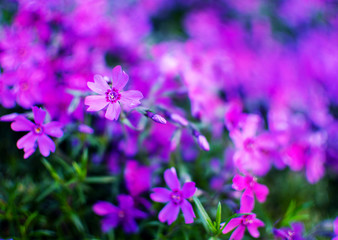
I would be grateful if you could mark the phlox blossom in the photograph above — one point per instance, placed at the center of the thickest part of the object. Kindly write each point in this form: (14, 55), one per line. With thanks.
(176, 198)
(112, 96)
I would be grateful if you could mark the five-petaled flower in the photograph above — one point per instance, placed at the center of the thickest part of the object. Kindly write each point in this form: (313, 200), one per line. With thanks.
(246, 221)
(112, 96)
(38, 132)
(176, 198)
(124, 214)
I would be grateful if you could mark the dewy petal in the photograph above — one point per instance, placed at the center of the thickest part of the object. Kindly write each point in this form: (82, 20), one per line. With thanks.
(171, 179)
(95, 102)
(232, 224)
(104, 208)
(39, 115)
(188, 212)
(53, 129)
(247, 204)
(261, 192)
(120, 78)
(113, 111)
(160, 195)
(131, 99)
(188, 189)
(169, 213)
(22, 124)
(109, 222)
(46, 145)
(238, 233)
(238, 182)
(27, 141)
(99, 85)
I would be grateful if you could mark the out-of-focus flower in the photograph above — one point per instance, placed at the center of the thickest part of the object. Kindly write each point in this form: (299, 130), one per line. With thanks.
(85, 129)
(112, 96)
(335, 229)
(247, 221)
(176, 198)
(38, 132)
(125, 214)
(293, 233)
(137, 178)
(251, 187)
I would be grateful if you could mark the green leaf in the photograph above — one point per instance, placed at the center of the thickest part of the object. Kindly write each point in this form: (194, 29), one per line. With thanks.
(204, 216)
(77, 222)
(51, 170)
(218, 216)
(104, 179)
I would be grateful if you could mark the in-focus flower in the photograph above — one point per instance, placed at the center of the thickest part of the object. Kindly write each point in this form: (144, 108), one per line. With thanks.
(176, 198)
(251, 187)
(247, 221)
(125, 214)
(112, 96)
(38, 132)
(293, 233)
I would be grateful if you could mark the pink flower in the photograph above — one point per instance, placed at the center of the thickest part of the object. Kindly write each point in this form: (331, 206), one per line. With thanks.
(38, 132)
(138, 177)
(251, 187)
(176, 198)
(112, 96)
(241, 223)
(335, 229)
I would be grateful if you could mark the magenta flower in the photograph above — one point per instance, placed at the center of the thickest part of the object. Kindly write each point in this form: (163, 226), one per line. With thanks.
(251, 187)
(293, 233)
(112, 96)
(335, 229)
(241, 223)
(138, 178)
(176, 198)
(124, 214)
(38, 132)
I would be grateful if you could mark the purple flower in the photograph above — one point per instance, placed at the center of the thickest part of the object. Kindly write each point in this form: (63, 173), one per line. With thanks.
(137, 178)
(112, 96)
(241, 223)
(251, 187)
(124, 214)
(176, 198)
(293, 233)
(38, 132)
(335, 229)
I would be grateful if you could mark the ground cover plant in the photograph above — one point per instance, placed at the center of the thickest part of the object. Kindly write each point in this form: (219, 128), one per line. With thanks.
(168, 119)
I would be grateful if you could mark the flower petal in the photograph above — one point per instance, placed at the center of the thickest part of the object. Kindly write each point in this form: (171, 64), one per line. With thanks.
(261, 192)
(95, 102)
(99, 85)
(104, 208)
(109, 222)
(247, 204)
(27, 141)
(238, 233)
(130, 225)
(188, 212)
(53, 129)
(160, 195)
(188, 189)
(39, 115)
(46, 145)
(126, 202)
(113, 111)
(238, 182)
(169, 213)
(28, 152)
(232, 224)
(171, 179)
(22, 124)
(120, 78)
(131, 99)
(253, 228)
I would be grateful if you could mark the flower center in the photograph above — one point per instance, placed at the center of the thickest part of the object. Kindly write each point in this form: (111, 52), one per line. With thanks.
(113, 95)
(38, 129)
(249, 144)
(290, 235)
(247, 220)
(176, 197)
(121, 214)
